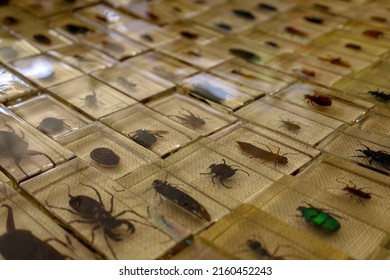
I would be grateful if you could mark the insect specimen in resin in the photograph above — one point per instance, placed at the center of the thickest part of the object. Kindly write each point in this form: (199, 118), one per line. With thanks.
(222, 172)
(336, 61)
(147, 138)
(320, 219)
(190, 119)
(317, 99)
(105, 157)
(52, 125)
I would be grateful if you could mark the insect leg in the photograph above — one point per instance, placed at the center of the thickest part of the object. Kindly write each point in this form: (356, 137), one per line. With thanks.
(247, 173)
(109, 247)
(221, 181)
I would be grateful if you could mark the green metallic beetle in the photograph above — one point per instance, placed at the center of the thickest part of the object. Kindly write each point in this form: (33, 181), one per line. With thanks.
(316, 217)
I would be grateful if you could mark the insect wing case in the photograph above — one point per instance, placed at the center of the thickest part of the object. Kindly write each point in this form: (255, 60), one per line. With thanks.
(28, 234)
(49, 116)
(140, 85)
(92, 97)
(218, 173)
(191, 113)
(150, 129)
(44, 70)
(108, 151)
(26, 151)
(99, 211)
(249, 233)
(289, 204)
(162, 65)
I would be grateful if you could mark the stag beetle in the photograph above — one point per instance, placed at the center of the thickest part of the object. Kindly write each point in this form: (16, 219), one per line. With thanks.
(94, 212)
(12, 145)
(19, 244)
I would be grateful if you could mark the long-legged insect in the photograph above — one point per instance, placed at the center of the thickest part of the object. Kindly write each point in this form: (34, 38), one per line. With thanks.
(261, 251)
(191, 119)
(91, 100)
(268, 156)
(354, 191)
(290, 125)
(381, 158)
(380, 95)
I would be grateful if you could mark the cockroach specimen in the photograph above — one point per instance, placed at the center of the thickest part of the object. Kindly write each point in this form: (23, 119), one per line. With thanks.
(244, 14)
(223, 172)
(224, 26)
(190, 120)
(21, 244)
(316, 99)
(12, 145)
(380, 95)
(296, 32)
(268, 156)
(353, 46)
(382, 158)
(105, 157)
(52, 125)
(353, 191)
(181, 198)
(42, 39)
(315, 20)
(189, 35)
(94, 212)
(336, 61)
(373, 33)
(146, 138)
(76, 29)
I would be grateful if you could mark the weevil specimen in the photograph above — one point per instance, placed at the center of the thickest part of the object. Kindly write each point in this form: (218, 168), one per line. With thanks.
(42, 39)
(336, 61)
(105, 157)
(222, 172)
(259, 153)
(94, 212)
(52, 125)
(146, 138)
(382, 158)
(21, 244)
(319, 219)
(380, 95)
(190, 119)
(14, 146)
(182, 199)
(317, 99)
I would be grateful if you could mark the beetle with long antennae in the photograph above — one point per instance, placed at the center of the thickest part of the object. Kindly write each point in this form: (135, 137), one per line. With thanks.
(353, 191)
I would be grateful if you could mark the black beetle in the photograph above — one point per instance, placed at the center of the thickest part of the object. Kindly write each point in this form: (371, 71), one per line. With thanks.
(382, 158)
(146, 138)
(222, 171)
(19, 244)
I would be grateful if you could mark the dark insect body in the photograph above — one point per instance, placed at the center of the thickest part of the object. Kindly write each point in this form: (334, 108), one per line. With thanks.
(20, 244)
(182, 199)
(268, 156)
(290, 125)
(336, 61)
(212, 93)
(315, 20)
(76, 29)
(91, 100)
(244, 14)
(105, 157)
(189, 35)
(319, 219)
(268, 7)
(380, 95)
(320, 100)
(353, 46)
(272, 44)
(52, 125)
(373, 33)
(381, 158)
(10, 20)
(190, 119)
(305, 72)
(224, 26)
(12, 145)
(296, 32)
(122, 81)
(147, 38)
(379, 19)
(222, 172)
(262, 251)
(246, 55)
(353, 191)
(42, 39)
(146, 138)
(93, 212)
